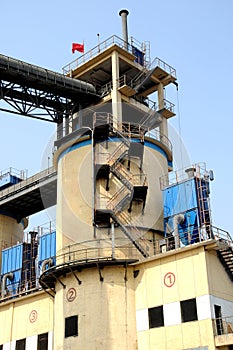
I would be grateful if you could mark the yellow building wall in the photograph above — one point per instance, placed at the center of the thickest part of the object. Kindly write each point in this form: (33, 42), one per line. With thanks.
(189, 269)
(106, 310)
(26, 317)
(11, 232)
(154, 286)
(219, 283)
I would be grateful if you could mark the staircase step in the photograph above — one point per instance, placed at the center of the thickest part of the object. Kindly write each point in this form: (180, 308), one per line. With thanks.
(226, 258)
(129, 235)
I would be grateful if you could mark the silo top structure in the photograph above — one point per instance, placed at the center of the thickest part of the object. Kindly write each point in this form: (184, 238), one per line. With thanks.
(134, 261)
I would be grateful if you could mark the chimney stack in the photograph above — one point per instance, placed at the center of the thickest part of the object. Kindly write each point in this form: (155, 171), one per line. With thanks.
(124, 14)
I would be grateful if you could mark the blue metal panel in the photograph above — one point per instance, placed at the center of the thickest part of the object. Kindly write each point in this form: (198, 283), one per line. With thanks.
(7, 180)
(180, 198)
(12, 286)
(188, 230)
(47, 246)
(12, 258)
(139, 55)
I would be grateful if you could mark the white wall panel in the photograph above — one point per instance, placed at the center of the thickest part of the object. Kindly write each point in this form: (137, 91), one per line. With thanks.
(142, 320)
(10, 345)
(203, 307)
(50, 340)
(31, 343)
(172, 314)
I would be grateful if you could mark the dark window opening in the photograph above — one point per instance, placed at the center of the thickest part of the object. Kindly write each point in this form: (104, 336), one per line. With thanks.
(218, 316)
(42, 341)
(1, 347)
(20, 344)
(188, 310)
(71, 326)
(156, 318)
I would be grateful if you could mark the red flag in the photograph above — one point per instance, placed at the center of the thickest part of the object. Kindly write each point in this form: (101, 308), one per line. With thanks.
(77, 47)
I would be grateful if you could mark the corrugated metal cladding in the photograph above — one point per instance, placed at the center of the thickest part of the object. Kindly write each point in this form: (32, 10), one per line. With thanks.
(180, 198)
(13, 286)
(47, 246)
(12, 258)
(20, 256)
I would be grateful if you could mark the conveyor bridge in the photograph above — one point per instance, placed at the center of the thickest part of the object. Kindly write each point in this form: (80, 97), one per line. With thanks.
(31, 195)
(37, 92)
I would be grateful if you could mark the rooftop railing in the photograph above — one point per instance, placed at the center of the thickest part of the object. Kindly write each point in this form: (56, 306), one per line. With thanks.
(112, 249)
(163, 65)
(156, 135)
(101, 249)
(169, 105)
(223, 325)
(30, 181)
(21, 174)
(198, 170)
(112, 40)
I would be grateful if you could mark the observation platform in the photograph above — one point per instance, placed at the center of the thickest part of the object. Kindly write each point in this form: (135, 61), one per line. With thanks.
(138, 74)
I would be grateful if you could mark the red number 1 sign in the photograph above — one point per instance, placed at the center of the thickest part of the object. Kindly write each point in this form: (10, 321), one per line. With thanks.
(169, 279)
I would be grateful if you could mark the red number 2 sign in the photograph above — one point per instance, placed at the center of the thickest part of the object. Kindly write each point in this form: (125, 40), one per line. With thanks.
(71, 294)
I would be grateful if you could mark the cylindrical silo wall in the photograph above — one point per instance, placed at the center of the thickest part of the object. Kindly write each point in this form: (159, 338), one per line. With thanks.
(11, 232)
(75, 197)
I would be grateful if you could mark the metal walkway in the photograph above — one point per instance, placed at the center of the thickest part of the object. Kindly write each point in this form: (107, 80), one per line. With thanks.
(25, 88)
(30, 196)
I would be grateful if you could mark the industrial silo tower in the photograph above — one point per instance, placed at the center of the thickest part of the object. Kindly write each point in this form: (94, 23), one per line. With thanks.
(109, 204)
(134, 261)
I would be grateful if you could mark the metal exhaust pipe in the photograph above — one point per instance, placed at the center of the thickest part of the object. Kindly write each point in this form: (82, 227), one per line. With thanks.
(124, 13)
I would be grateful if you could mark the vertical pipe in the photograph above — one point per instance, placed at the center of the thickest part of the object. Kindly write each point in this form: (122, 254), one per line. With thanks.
(113, 239)
(33, 258)
(115, 94)
(67, 131)
(124, 14)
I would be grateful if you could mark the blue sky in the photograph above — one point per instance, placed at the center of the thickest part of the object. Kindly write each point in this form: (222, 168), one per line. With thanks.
(195, 37)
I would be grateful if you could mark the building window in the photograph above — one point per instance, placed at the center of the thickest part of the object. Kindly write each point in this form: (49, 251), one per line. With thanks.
(156, 318)
(71, 326)
(218, 316)
(20, 344)
(42, 341)
(188, 310)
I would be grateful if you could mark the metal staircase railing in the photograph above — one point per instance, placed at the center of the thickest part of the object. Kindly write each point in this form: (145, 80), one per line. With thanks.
(119, 201)
(226, 258)
(125, 176)
(143, 73)
(119, 153)
(131, 231)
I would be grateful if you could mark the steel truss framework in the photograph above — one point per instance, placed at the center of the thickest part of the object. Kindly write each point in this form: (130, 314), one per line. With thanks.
(32, 102)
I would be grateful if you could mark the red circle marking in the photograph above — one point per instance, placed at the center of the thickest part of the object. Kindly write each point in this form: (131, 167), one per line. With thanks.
(71, 294)
(169, 279)
(33, 316)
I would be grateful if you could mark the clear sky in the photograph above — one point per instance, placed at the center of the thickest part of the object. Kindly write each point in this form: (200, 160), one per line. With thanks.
(195, 37)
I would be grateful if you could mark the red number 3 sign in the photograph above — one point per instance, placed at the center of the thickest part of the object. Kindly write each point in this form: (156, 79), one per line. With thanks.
(169, 279)
(33, 316)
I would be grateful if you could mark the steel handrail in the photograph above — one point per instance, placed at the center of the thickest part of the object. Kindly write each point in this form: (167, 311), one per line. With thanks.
(112, 40)
(223, 325)
(30, 181)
